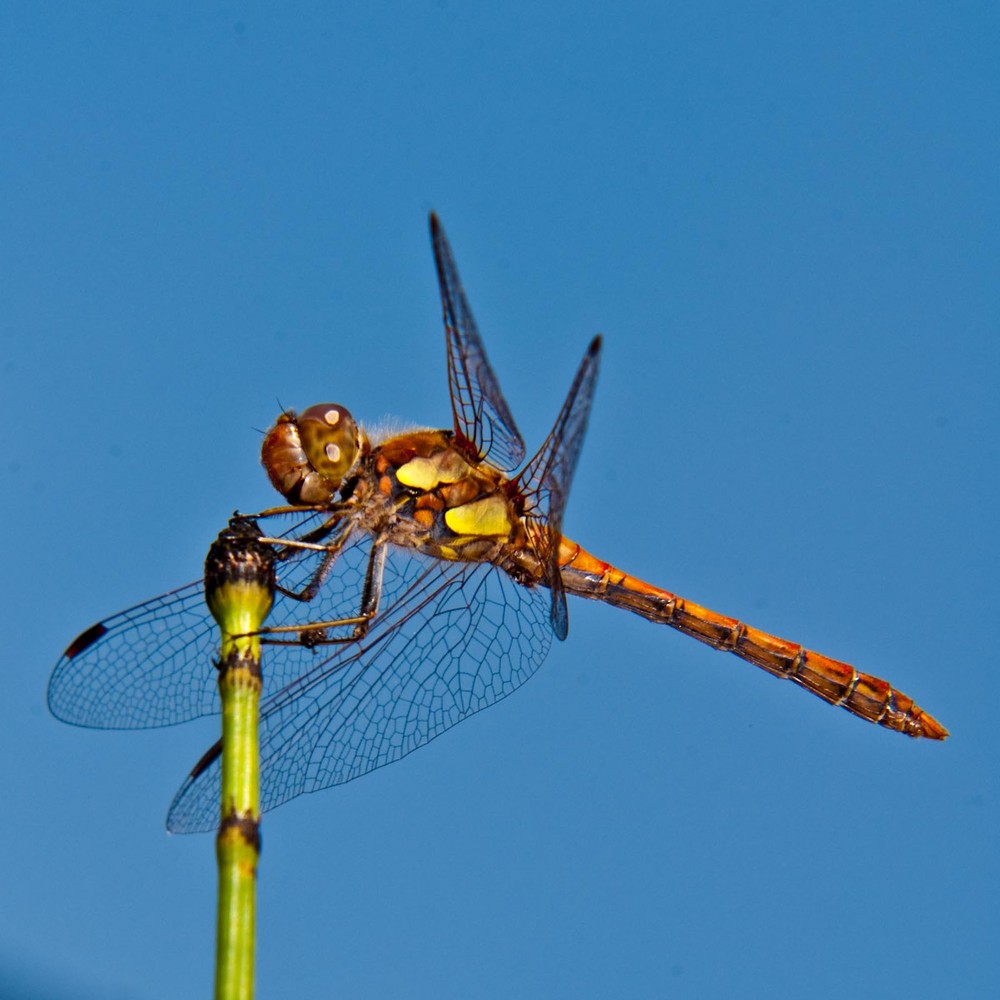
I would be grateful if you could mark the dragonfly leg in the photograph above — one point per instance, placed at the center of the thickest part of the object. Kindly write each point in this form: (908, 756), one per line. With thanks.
(317, 633)
(332, 550)
(372, 592)
(297, 508)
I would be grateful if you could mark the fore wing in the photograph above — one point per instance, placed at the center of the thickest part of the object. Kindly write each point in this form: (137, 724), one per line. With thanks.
(483, 422)
(154, 664)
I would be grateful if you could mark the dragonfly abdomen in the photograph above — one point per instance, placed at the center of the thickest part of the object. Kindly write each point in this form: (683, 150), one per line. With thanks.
(838, 683)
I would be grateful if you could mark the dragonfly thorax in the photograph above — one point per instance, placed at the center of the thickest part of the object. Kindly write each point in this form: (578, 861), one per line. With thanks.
(308, 456)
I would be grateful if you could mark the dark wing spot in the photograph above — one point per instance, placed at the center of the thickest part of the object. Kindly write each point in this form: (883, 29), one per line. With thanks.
(208, 758)
(85, 640)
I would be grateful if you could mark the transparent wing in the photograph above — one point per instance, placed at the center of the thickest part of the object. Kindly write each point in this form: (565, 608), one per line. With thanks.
(148, 666)
(482, 418)
(153, 665)
(450, 639)
(545, 481)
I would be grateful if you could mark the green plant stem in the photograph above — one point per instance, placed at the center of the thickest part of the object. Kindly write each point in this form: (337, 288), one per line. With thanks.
(239, 589)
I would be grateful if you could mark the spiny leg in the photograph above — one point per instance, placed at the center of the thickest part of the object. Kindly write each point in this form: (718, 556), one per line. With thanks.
(315, 633)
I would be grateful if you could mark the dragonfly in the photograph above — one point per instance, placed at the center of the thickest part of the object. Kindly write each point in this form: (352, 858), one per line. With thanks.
(422, 576)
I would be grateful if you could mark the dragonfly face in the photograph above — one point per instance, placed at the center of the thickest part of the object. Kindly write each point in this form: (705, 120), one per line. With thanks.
(308, 457)
(422, 579)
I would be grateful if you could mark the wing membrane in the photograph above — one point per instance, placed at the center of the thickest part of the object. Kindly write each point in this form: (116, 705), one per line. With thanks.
(153, 665)
(482, 418)
(545, 481)
(451, 639)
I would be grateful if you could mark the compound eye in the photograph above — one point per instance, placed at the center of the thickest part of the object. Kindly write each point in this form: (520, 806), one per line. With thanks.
(330, 439)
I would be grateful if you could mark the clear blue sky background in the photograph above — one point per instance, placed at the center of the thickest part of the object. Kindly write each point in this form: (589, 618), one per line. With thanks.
(784, 219)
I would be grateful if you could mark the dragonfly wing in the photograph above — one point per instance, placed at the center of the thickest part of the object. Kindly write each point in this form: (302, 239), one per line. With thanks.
(450, 640)
(545, 481)
(482, 417)
(148, 666)
(153, 665)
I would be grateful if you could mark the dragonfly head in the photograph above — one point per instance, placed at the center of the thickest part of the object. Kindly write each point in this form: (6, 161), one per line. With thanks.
(308, 456)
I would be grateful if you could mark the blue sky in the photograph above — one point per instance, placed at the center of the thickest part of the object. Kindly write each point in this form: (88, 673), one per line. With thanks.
(783, 218)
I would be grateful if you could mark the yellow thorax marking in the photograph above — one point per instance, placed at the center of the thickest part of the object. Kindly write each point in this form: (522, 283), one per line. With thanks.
(481, 517)
(426, 473)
